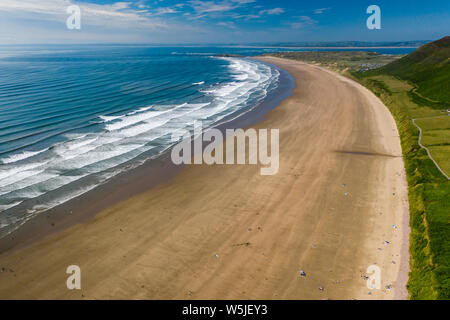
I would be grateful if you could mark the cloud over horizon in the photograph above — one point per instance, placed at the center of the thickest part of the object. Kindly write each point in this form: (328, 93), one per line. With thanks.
(213, 21)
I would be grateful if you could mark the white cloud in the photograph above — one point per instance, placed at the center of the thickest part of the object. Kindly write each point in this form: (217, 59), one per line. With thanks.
(274, 11)
(321, 10)
(132, 21)
(227, 24)
(92, 14)
(206, 7)
(201, 7)
(160, 11)
(243, 1)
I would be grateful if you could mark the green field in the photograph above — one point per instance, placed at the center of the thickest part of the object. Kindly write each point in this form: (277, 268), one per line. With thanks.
(435, 124)
(428, 69)
(436, 138)
(415, 87)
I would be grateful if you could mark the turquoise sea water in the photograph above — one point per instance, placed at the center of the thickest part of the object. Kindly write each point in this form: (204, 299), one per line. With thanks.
(72, 117)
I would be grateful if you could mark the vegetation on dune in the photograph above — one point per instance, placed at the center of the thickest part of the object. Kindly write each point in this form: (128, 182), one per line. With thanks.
(414, 87)
(341, 60)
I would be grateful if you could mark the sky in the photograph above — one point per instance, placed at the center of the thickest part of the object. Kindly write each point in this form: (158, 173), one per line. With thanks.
(220, 21)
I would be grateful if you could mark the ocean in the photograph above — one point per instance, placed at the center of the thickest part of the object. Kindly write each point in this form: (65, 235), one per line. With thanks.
(73, 117)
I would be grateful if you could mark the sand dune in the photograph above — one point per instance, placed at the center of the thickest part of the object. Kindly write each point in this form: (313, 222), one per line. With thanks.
(226, 232)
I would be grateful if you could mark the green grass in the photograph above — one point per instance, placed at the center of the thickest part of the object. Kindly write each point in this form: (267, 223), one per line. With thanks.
(435, 126)
(401, 89)
(436, 138)
(440, 154)
(434, 123)
(428, 68)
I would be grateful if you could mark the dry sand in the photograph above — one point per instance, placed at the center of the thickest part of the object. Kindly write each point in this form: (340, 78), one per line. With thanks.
(226, 232)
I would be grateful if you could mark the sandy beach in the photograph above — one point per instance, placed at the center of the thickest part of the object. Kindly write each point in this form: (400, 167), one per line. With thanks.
(338, 205)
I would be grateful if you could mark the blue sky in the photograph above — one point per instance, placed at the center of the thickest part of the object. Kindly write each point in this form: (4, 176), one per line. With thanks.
(220, 21)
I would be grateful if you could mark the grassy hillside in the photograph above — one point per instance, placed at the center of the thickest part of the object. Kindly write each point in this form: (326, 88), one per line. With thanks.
(428, 69)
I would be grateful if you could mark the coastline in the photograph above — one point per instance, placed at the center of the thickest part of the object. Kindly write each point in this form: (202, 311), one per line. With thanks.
(130, 182)
(172, 227)
(403, 273)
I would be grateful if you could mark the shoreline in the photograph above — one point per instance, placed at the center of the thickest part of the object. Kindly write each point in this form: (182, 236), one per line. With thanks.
(182, 239)
(129, 182)
(403, 274)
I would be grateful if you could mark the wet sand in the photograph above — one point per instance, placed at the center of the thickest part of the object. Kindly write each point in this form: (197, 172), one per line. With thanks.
(226, 232)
